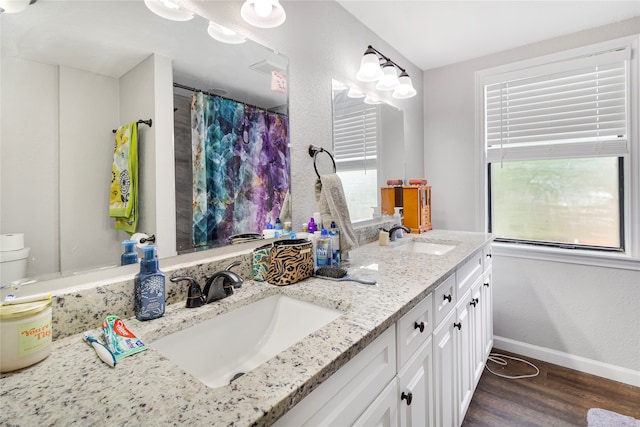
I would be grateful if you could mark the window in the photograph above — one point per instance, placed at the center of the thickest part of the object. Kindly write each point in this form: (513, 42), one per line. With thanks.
(556, 138)
(355, 144)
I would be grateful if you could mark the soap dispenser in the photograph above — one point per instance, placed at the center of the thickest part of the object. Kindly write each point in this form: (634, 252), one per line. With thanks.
(149, 293)
(129, 256)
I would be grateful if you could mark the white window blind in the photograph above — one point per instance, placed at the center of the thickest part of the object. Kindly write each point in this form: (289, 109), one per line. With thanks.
(355, 137)
(576, 108)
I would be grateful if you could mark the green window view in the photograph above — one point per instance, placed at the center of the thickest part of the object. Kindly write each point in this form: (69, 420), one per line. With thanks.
(562, 201)
(360, 190)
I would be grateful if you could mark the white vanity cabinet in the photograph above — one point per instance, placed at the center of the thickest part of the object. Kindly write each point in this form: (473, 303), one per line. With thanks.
(420, 372)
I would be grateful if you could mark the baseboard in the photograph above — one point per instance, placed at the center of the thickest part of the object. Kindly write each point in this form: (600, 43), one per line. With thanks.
(582, 364)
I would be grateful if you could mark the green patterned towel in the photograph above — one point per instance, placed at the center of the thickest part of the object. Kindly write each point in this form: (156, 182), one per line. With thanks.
(123, 199)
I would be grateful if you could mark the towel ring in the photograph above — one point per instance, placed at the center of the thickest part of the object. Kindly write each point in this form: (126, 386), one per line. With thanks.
(314, 151)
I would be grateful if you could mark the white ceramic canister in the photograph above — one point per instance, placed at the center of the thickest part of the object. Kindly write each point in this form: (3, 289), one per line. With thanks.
(25, 334)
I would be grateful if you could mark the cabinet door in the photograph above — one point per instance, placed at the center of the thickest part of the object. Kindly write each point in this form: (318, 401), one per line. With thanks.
(487, 312)
(444, 356)
(478, 344)
(383, 411)
(416, 389)
(463, 351)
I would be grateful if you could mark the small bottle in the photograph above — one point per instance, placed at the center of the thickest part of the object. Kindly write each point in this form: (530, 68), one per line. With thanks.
(279, 225)
(317, 218)
(335, 243)
(311, 227)
(269, 232)
(287, 227)
(323, 249)
(148, 288)
(305, 227)
(129, 256)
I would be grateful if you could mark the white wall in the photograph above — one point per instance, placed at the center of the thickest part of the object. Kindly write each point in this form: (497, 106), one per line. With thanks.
(29, 136)
(87, 237)
(584, 311)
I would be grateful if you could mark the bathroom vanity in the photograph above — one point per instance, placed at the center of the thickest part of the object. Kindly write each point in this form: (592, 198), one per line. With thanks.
(408, 351)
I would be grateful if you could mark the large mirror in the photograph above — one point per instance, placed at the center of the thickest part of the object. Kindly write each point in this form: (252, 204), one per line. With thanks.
(74, 71)
(368, 146)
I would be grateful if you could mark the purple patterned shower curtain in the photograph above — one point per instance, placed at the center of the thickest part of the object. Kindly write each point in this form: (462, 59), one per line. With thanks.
(241, 168)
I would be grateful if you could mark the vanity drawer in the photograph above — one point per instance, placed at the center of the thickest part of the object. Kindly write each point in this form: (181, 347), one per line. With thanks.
(444, 298)
(413, 329)
(468, 272)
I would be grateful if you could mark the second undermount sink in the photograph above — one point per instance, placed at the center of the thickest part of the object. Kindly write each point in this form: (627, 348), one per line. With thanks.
(425, 247)
(219, 350)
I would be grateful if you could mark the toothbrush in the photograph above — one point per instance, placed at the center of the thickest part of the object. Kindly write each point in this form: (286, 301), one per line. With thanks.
(103, 351)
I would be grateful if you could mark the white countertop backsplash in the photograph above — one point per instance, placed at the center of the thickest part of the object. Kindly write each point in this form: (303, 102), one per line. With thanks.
(73, 387)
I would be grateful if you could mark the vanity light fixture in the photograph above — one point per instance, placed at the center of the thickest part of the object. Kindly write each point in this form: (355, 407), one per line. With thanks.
(224, 34)
(386, 76)
(14, 6)
(371, 100)
(370, 70)
(263, 13)
(355, 93)
(169, 10)
(405, 89)
(389, 79)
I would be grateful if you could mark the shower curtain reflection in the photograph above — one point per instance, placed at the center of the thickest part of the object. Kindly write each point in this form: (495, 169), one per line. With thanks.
(240, 158)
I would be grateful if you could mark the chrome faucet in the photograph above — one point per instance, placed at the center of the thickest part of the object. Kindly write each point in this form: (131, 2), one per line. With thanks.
(392, 231)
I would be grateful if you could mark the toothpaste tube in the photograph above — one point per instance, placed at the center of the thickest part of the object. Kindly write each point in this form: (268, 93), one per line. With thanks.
(119, 339)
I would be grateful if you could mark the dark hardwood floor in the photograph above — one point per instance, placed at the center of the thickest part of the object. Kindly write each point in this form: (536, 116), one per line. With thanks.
(558, 396)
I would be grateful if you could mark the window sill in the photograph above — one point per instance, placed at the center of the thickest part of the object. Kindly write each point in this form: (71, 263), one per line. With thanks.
(568, 256)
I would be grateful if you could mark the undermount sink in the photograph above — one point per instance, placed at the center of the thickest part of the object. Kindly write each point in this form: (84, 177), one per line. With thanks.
(219, 350)
(425, 247)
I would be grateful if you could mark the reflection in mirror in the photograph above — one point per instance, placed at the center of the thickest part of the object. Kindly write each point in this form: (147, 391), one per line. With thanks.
(68, 79)
(368, 145)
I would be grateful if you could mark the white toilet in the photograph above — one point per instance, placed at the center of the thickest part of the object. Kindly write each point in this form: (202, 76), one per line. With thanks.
(13, 257)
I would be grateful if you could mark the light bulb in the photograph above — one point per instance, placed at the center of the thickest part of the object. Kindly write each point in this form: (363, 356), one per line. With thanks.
(224, 34)
(389, 79)
(170, 5)
(263, 8)
(370, 70)
(263, 13)
(13, 6)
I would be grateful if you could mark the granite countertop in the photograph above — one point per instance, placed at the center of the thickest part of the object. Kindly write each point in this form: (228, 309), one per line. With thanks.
(73, 387)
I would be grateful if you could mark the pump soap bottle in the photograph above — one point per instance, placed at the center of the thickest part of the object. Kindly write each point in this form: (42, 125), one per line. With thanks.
(129, 256)
(149, 287)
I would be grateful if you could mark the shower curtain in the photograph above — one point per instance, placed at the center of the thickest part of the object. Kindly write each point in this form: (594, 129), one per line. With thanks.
(241, 169)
